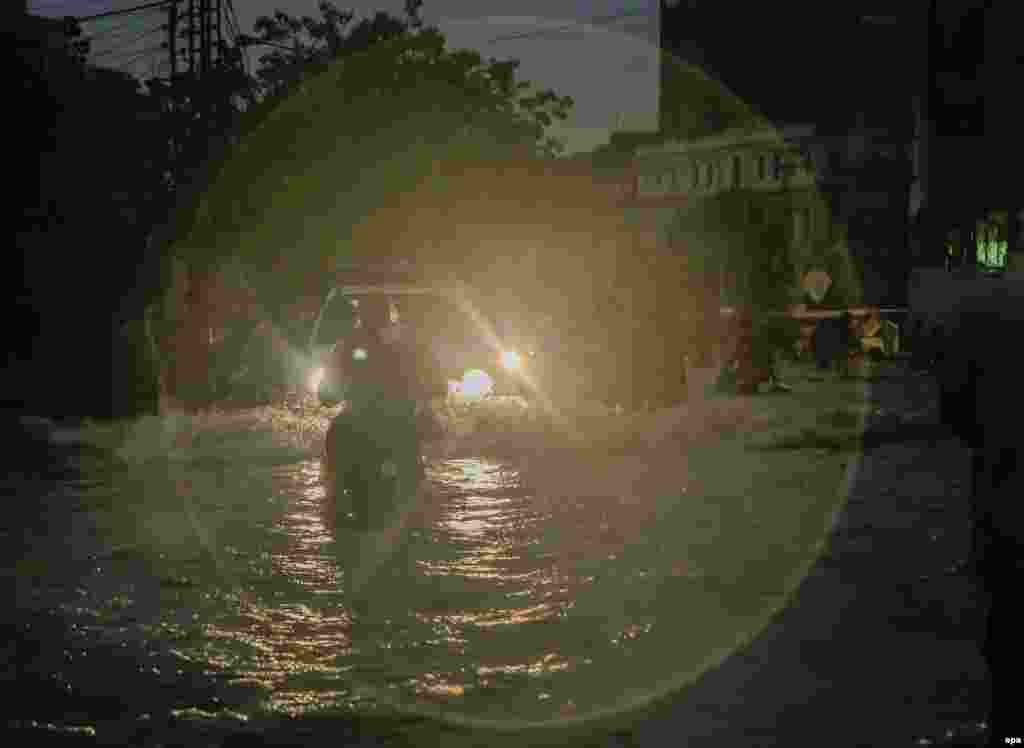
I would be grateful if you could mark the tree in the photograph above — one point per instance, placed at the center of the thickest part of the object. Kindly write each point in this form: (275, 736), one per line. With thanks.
(373, 124)
(86, 274)
(719, 238)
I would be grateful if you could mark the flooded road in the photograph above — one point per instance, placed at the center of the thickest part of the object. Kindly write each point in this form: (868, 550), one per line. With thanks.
(496, 600)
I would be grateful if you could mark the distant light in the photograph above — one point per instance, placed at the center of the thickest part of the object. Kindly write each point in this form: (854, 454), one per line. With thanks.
(359, 354)
(511, 361)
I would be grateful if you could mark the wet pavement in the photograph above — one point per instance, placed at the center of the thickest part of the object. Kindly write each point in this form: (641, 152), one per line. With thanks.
(877, 647)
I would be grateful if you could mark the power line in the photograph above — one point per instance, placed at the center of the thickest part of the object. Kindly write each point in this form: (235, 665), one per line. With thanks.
(132, 60)
(129, 62)
(61, 3)
(111, 56)
(147, 6)
(124, 48)
(126, 33)
(111, 29)
(233, 20)
(598, 20)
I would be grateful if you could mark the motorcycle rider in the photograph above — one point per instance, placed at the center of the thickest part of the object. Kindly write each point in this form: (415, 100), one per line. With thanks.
(386, 382)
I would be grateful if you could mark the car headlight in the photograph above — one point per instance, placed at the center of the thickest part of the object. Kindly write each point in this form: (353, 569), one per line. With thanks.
(475, 385)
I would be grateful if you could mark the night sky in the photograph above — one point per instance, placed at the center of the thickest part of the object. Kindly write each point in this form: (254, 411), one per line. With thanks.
(610, 70)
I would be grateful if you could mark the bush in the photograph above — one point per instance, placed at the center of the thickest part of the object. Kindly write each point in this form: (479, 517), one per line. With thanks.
(774, 335)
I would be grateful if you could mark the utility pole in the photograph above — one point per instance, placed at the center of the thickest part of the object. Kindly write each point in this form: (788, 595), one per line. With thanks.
(203, 34)
(205, 37)
(191, 36)
(924, 241)
(933, 245)
(172, 36)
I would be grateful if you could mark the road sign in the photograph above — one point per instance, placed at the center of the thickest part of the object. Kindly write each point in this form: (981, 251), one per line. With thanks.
(816, 283)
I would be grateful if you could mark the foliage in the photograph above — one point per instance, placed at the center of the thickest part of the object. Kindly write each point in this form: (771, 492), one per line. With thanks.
(718, 236)
(774, 335)
(78, 44)
(842, 267)
(388, 55)
(86, 273)
(704, 106)
(373, 114)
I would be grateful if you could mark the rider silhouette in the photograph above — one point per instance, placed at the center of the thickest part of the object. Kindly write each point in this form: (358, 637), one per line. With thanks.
(384, 381)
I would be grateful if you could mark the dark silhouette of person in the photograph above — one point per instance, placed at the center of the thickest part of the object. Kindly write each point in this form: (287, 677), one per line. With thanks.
(980, 400)
(832, 340)
(372, 447)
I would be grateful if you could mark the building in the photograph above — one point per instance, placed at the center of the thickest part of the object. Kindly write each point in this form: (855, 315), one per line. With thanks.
(966, 135)
(815, 195)
(848, 75)
(707, 196)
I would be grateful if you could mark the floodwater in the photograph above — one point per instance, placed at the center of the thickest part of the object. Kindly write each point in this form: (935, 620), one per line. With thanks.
(491, 601)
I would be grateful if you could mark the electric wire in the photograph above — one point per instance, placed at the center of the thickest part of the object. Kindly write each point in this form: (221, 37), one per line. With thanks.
(107, 30)
(125, 37)
(125, 11)
(597, 20)
(233, 18)
(129, 42)
(132, 60)
(64, 4)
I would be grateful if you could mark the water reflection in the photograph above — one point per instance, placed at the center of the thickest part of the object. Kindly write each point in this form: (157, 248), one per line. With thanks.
(320, 616)
(497, 602)
(307, 559)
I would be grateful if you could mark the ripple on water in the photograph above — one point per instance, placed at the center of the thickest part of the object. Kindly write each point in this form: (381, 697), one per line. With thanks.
(492, 600)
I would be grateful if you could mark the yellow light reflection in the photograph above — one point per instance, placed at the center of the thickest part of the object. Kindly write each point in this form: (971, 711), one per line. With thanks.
(271, 645)
(549, 663)
(298, 640)
(478, 524)
(475, 475)
(496, 617)
(299, 703)
(437, 686)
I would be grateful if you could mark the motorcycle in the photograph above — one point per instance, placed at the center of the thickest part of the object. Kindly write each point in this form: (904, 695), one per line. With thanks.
(372, 460)
(372, 463)
(372, 454)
